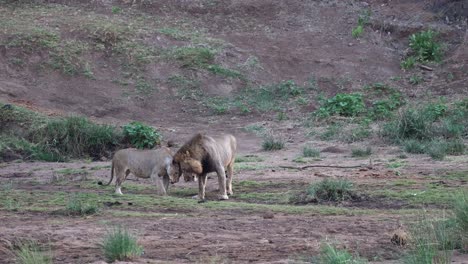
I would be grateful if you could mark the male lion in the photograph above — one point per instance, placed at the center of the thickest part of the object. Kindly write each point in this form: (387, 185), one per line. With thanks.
(154, 164)
(203, 154)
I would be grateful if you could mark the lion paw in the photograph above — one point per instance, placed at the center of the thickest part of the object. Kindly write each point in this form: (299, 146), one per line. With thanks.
(223, 197)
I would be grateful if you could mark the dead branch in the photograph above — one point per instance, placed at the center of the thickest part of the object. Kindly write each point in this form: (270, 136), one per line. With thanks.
(323, 166)
(424, 67)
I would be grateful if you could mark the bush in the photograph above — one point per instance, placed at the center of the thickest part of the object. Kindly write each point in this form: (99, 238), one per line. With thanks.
(119, 244)
(77, 137)
(141, 136)
(408, 63)
(342, 104)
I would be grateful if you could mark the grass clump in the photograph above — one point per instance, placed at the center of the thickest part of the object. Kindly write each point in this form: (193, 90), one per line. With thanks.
(193, 57)
(272, 143)
(310, 152)
(360, 152)
(329, 254)
(460, 209)
(119, 244)
(77, 137)
(30, 253)
(141, 135)
(76, 206)
(432, 241)
(414, 146)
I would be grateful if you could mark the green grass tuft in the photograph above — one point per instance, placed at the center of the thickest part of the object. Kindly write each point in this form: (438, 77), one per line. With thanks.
(331, 255)
(119, 244)
(272, 143)
(30, 253)
(359, 152)
(310, 152)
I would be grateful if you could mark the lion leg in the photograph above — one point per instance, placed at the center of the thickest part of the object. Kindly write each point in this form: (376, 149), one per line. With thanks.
(229, 179)
(201, 187)
(158, 181)
(121, 175)
(222, 184)
(166, 182)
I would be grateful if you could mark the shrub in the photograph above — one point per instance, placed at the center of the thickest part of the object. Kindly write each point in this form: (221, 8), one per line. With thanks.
(310, 152)
(359, 152)
(141, 136)
(342, 104)
(437, 149)
(271, 143)
(425, 47)
(414, 146)
(329, 254)
(119, 244)
(30, 253)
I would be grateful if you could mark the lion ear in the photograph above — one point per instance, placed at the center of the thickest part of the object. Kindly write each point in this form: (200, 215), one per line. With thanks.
(195, 165)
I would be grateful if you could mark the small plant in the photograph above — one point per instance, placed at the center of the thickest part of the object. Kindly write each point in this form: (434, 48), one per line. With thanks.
(437, 149)
(76, 206)
(363, 19)
(329, 254)
(30, 253)
(116, 10)
(408, 63)
(310, 152)
(357, 31)
(425, 47)
(359, 152)
(141, 135)
(271, 143)
(119, 244)
(342, 104)
(415, 80)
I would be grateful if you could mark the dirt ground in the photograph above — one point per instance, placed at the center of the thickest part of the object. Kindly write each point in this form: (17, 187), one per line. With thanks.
(209, 233)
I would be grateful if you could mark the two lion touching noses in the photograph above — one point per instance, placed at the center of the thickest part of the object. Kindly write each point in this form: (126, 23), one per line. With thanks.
(199, 156)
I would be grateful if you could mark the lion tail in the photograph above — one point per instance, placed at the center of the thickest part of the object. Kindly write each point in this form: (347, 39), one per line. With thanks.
(112, 175)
